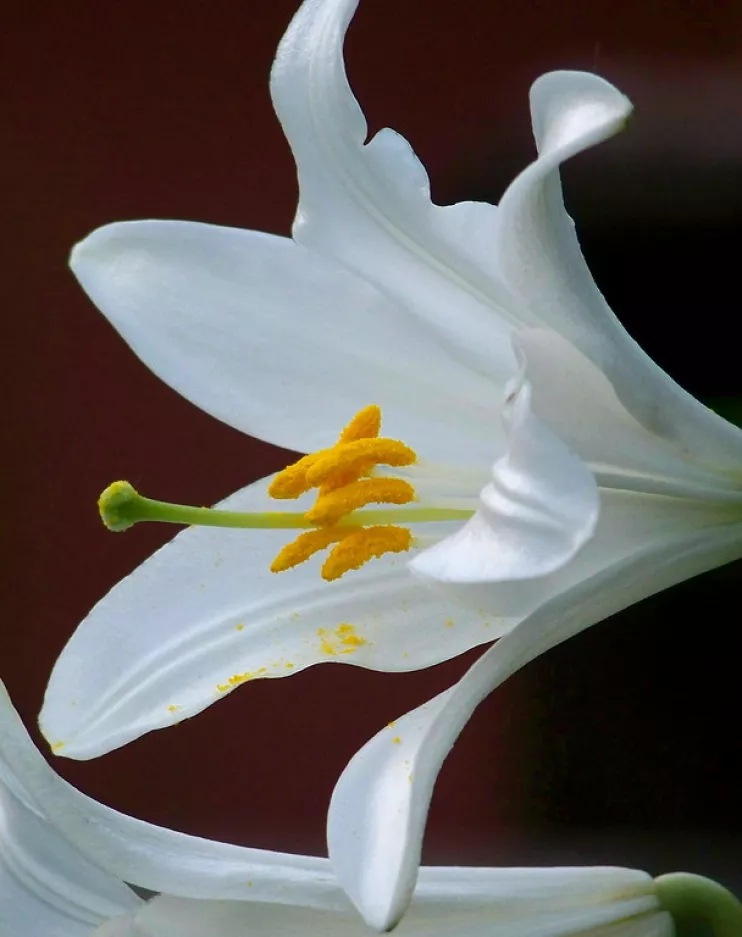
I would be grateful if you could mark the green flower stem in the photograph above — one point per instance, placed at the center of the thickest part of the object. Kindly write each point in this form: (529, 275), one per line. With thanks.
(121, 506)
(693, 899)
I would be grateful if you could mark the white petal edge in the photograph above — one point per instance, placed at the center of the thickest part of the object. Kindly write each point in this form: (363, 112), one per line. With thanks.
(540, 508)
(540, 258)
(378, 811)
(281, 343)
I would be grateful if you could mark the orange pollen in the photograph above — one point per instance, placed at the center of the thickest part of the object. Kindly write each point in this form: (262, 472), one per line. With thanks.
(340, 475)
(362, 545)
(307, 545)
(330, 508)
(364, 425)
(356, 458)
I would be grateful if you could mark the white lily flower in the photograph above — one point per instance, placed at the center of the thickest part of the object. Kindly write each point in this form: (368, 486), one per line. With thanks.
(553, 484)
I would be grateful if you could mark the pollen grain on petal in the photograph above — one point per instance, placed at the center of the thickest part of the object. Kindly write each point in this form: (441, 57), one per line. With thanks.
(306, 545)
(238, 679)
(330, 508)
(362, 545)
(342, 640)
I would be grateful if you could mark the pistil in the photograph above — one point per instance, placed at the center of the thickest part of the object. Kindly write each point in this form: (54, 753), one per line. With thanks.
(342, 475)
(121, 506)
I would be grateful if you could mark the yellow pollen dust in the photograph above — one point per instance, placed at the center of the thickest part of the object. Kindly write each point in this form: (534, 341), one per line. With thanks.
(343, 640)
(340, 475)
(238, 679)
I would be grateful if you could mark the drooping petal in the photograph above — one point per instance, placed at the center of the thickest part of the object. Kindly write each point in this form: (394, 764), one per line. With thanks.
(134, 851)
(368, 204)
(281, 343)
(379, 807)
(539, 509)
(539, 257)
(47, 888)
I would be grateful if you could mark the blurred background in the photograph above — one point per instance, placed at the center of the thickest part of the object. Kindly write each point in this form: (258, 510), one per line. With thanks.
(621, 746)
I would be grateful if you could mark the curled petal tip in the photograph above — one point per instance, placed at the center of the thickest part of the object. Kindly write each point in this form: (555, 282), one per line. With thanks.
(573, 110)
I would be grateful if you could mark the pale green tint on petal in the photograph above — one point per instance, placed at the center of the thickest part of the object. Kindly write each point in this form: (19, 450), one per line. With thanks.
(380, 804)
(539, 257)
(368, 204)
(205, 614)
(47, 888)
(282, 343)
(146, 855)
(539, 509)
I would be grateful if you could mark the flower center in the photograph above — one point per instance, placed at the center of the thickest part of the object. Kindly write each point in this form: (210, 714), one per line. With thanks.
(342, 477)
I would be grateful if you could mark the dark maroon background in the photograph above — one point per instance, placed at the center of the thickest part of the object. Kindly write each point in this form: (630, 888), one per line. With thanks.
(620, 745)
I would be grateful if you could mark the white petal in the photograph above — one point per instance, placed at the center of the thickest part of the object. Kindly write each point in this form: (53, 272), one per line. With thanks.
(521, 903)
(178, 917)
(368, 204)
(47, 888)
(146, 855)
(379, 807)
(539, 509)
(540, 259)
(578, 402)
(205, 614)
(279, 342)
(125, 926)
(654, 925)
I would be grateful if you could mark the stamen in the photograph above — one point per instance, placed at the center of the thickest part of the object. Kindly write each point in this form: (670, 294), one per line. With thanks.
(307, 545)
(292, 481)
(362, 545)
(364, 425)
(330, 508)
(358, 457)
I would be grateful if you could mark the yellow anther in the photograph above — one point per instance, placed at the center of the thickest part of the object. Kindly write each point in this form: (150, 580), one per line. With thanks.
(307, 545)
(362, 545)
(292, 481)
(330, 508)
(338, 472)
(357, 457)
(365, 424)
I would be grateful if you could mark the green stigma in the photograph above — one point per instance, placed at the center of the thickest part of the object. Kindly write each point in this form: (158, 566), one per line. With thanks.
(114, 505)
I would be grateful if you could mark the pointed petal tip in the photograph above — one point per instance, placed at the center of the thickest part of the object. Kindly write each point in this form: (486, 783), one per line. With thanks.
(572, 110)
(96, 246)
